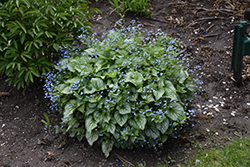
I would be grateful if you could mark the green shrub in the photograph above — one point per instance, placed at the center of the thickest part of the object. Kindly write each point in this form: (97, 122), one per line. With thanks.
(139, 7)
(126, 90)
(33, 30)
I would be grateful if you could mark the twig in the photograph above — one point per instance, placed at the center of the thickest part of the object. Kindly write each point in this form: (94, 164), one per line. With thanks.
(147, 24)
(227, 11)
(192, 24)
(210, 35)
(176, 3)
(210, 27)
(158, 20)
(233, 7)
(123, 160)
(209, 18)
(4, 94)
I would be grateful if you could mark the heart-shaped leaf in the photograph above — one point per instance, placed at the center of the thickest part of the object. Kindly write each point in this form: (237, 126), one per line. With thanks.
(107, 146)
(90, 124)
(158, 93)
(120, 119)
(176, 112)
(163, 126)
(91, 137)
(124, 109)
(140, 120)
(98, 84)
(151, 131)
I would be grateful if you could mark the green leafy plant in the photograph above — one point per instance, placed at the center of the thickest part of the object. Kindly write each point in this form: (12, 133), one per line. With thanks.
(126, 90)
(32, 31)
(46, 122)
(140, 7)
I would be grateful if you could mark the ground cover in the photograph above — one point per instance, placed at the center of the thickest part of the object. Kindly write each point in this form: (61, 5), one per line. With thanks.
(222, 109)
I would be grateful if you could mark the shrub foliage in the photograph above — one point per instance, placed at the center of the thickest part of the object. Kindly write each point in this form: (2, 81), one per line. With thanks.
(125, 90)
(32, 30)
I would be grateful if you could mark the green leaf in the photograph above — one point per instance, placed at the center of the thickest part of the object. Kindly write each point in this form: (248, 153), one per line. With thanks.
(183, 74)
(71, 67)
(163, 126)
(106, 117)
(133, 124)
(113, 74)
(107, 146)
(124, 109)
(67, 90)
(158, 93)
(151, 131)
(110, 127)
(98, 116)
(21, 26)
(56, 46)
(176, 111)
(141, 120)
(169, 85)
(74, 80)
(135, 78)
(120, 119)
(84, 70)
(90, 109)
(98, 84)
(22, 38)
(191, 88)
(92, 137)
(27, 3)
(69, 108)
(90, 124)
(171, 94)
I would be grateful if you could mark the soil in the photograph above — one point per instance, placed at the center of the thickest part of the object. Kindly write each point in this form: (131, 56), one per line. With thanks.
(221, 108)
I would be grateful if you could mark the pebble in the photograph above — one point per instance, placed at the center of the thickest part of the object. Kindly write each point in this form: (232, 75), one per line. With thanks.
(216, 109)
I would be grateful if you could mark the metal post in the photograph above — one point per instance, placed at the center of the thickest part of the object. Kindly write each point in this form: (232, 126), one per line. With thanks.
(241, 47)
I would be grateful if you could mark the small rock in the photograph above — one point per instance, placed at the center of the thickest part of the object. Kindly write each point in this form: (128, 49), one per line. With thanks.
(216, 109)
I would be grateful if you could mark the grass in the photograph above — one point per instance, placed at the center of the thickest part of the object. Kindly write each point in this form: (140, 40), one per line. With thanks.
(235, 154)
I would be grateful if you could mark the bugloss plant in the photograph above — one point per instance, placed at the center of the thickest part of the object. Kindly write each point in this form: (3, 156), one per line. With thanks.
(139, 7)
(33, 30)
(125, 90)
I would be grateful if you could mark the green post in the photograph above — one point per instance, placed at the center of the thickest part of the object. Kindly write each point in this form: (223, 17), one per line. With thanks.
(241, 47)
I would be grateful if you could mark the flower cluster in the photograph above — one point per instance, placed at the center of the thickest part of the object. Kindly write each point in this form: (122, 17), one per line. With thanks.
(126, 89)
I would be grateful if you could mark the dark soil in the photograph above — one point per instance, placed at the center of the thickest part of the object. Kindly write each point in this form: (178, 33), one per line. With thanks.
(222, 109)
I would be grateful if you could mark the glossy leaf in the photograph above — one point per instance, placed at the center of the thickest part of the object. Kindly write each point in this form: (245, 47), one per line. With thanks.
(107, 146)
(176, 111)
(151, 131)
(90, 124)
(120, 119)
(141, 120)
(158, 93)
(163, 126)
(135, 78)
(98, 84)
(124, 109)
(92, 137)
